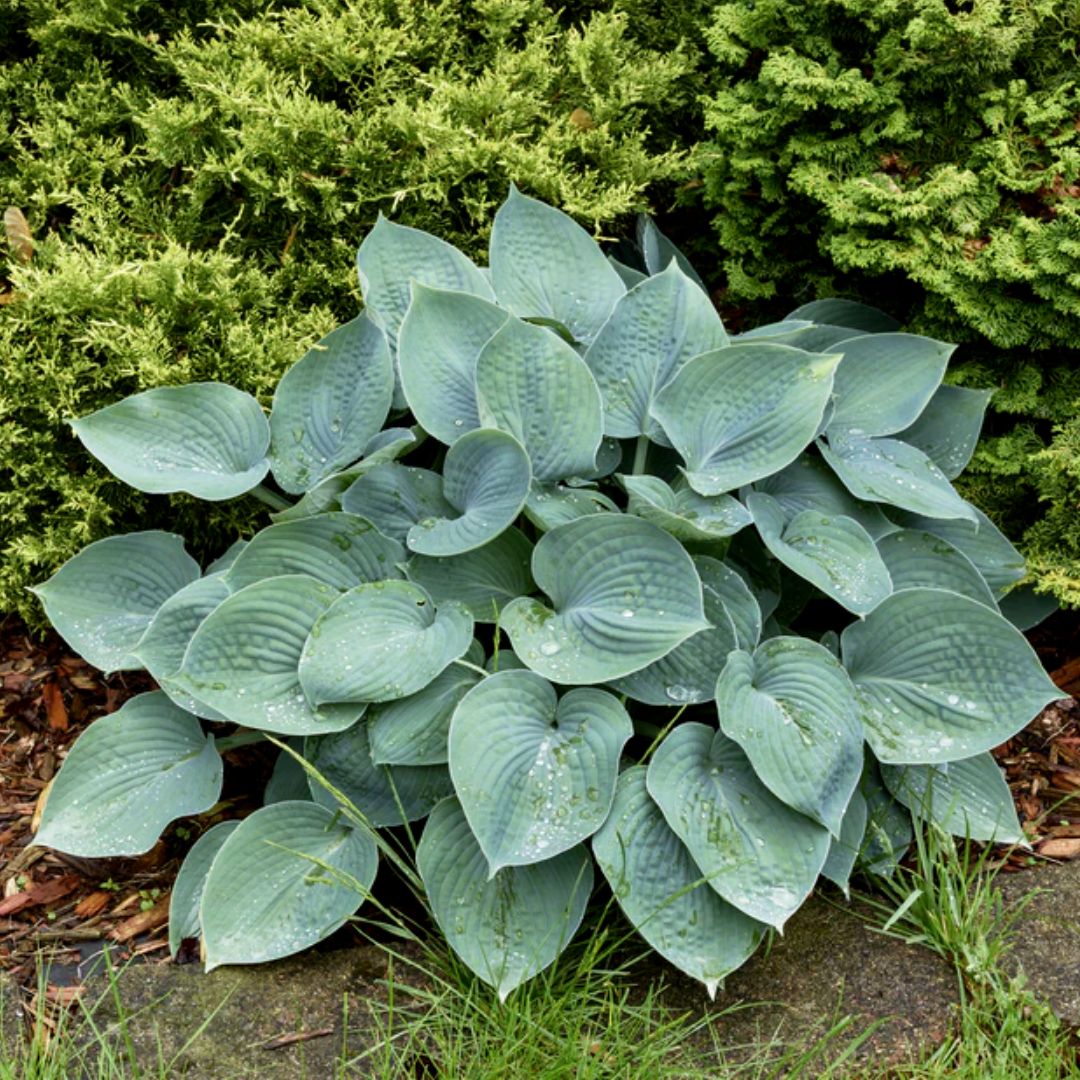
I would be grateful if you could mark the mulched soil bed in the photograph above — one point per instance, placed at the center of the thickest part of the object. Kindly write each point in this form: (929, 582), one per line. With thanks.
(76, 907)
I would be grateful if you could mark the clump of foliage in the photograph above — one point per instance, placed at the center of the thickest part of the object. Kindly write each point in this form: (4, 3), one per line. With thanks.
(925, 155)
(196, 176)
(594, 618)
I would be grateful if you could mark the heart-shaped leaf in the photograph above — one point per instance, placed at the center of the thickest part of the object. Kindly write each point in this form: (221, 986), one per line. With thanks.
(276, 886)
(483, 580)
(535, 386)
(544, 263)
(655, 328)
(243, 659)
(885, 381)
(834, 553)
(888, 826)
(844, 849)
(549, 506)
(1000, 564)
(289, 779)
(385, 795)
(392, 256)
(380, 642)
(889, 471)
(744, 412)
(329, 404)
(687, 675)
(506, 928)
(102, 600)
(658, 251)
(809, 484)
(535, 774)
(341, 549)
(486, 479)
(416, 730)
(128, 775)
(968, 797)
(395, 497)
(624, 593)
(791, 707)
(850, 313)
(918, 559)
(681, 511)
(186, 895)
(940, 677)
(755, 851)
(161, 649)
(662, 892)
(948, 428)
(207, 439)
(441, 337)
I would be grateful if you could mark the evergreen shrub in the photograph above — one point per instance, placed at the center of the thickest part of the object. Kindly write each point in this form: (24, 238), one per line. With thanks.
(923, 155)
(197, 175)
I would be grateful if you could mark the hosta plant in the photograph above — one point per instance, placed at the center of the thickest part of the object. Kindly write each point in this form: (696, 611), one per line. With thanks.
(562, 567)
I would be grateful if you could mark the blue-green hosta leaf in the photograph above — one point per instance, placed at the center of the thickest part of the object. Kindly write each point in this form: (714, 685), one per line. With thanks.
(127, 776)
(161, 649)
(504, 660)
(441, 337)
(681, 511)
(535, 774)
(535, 386)
(289, 779)
(687, 675)
(969, 798)
(549, 506)
(628, 275)
(940, 677)
(608, 459)
(1000, 564)
(658, 251)
(885, 381)
(226, 558)
(380, 642)
(623, 592)
(506, 928)
(395, 497)
(834, 553)
(742, 413)
(207, 439)
(242, 660)
(662, 892)
(387, 446)
(384, 794)
(267, 895)
(483, 580)
(329, 404)
(655, 328)
(851, 313)
(756, 852)
(948, 428)
(1025, 608)
(918, 559)
(341, 549)
(791, 707)
(415, 730)
(786, 332)
(543, 263)
(889, 471)
(486, 479)
(809, 484)
(844, 849)
(392, 256)
(186, 895)
(888, 825)
(102, 600)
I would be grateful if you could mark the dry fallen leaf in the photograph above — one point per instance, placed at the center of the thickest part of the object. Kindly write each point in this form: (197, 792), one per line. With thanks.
(19, 237)
(582, 119)
(1060, 849)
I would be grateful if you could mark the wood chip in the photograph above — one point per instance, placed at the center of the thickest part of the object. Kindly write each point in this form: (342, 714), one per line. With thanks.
(94, 904)
(44, 892)
(143, 922)
(55, 710)
(280, 1041)
(1060, 849)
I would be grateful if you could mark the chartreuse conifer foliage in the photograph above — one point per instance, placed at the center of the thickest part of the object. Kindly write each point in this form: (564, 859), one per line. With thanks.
(529, 591)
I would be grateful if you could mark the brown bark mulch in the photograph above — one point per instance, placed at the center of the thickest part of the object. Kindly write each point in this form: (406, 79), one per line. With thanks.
(75, 907)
